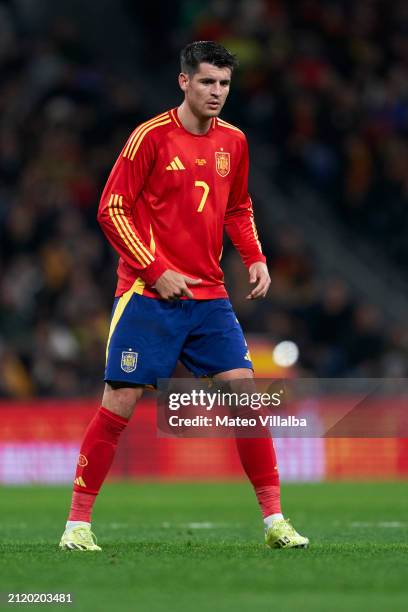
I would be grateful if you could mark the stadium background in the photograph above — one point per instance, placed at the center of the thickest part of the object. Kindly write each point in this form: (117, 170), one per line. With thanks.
(321, 93)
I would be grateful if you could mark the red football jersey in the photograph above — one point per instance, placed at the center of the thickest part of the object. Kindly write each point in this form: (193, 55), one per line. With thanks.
(168, 199)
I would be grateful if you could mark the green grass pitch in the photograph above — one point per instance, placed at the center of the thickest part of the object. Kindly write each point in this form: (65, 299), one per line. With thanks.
(194, 547)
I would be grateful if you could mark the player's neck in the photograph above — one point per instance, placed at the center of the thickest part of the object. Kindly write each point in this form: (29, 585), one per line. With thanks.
(190, 122)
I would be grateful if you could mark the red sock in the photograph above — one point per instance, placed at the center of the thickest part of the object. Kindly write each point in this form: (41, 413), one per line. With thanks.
(258, 459)
(81, 507)
(95, 458)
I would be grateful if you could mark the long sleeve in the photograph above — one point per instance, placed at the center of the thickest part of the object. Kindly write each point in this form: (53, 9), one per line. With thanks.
(239, 220)
(115, 217)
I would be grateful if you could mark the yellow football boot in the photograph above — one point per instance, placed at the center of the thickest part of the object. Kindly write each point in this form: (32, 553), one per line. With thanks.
(79, 538)
(281, 534)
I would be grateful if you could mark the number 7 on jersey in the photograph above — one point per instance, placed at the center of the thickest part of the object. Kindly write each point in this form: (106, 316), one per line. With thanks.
(204, 197)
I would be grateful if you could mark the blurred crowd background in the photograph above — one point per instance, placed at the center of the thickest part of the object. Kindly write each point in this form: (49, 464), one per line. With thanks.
(322, 92)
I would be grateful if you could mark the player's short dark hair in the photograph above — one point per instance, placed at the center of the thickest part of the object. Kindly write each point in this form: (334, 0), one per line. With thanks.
(206, 51)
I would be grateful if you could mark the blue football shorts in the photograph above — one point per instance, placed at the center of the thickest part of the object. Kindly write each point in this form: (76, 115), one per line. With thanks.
(147, 337)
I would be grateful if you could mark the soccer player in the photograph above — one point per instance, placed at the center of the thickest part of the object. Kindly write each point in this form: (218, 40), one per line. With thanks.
(180, 180)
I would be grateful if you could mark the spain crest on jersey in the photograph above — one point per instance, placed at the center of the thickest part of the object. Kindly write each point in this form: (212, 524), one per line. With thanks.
(129, 361)
(222, 163)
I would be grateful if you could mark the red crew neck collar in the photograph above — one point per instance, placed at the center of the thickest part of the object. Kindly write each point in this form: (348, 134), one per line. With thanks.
(174, 114)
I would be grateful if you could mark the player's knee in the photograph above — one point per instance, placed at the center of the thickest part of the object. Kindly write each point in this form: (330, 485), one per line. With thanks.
(237, 376)
(121, 400)
(240, 381)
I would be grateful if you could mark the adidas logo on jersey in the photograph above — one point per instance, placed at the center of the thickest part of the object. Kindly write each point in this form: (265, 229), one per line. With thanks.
(80, 481)
(176, 164)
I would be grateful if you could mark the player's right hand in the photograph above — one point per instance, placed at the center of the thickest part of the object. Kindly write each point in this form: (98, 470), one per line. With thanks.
(172, 285)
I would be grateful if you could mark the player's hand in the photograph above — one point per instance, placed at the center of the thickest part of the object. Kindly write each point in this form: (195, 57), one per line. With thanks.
(258, 273)
(172, 286)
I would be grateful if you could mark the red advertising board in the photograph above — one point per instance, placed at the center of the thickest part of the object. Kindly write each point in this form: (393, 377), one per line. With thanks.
(39, 442)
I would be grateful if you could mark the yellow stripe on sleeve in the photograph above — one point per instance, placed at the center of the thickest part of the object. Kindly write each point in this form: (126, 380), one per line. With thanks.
(256, 234)
(228, 125)
(142, 247)
(144, 255)
(114, 214)
(152, 241)
(138, 130)
(142, 134)
(118, 228)
(255, 231)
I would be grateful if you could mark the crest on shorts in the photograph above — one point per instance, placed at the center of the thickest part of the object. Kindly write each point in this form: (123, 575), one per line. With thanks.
(128, 362)
(222, 163)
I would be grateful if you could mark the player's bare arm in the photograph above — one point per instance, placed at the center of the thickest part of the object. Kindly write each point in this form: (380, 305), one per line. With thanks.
(258, 273)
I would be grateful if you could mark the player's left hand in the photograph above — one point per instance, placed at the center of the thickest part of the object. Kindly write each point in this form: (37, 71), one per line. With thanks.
(258, 273)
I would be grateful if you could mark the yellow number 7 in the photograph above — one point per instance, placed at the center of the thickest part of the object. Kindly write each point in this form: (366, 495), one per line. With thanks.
(204, 196)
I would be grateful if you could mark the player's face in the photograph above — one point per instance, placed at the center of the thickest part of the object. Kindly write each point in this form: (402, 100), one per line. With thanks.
(206, 90)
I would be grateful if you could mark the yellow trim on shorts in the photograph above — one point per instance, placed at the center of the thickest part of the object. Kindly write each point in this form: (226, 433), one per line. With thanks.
(123, 301)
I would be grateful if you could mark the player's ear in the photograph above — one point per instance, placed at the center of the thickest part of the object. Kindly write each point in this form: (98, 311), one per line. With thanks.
(183, 80)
